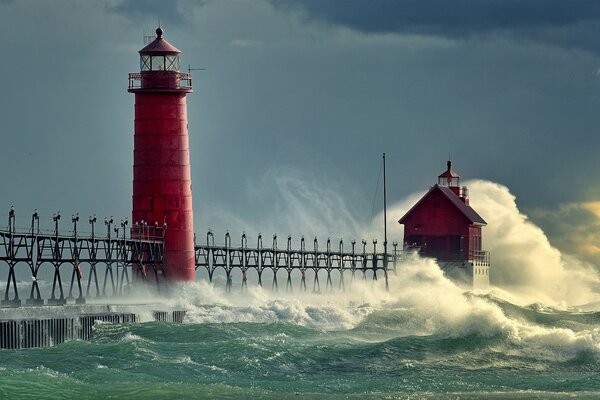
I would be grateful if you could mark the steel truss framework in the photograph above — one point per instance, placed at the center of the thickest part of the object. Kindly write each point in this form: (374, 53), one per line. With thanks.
(133, 251)
(212, 257)
(129, 251)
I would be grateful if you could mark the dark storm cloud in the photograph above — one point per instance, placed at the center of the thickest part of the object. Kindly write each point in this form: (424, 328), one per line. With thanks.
(457, 17)
(535, 19)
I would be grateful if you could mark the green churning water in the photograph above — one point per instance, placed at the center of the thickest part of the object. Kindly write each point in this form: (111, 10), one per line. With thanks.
(424, 339)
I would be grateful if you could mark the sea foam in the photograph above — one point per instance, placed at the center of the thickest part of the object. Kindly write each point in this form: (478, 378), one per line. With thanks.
(421, 301)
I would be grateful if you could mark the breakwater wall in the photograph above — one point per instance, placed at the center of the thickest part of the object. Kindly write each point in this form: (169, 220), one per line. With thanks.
(23, 331)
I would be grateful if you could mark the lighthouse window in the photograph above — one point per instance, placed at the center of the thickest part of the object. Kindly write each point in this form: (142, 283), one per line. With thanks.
(172, 63)
(158, 63)
(145, 63)
(447, 181)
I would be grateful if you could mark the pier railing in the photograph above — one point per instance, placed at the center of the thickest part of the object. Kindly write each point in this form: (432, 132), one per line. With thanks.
(341, 261)
(121, 252)
(478, 258)
(158, 79)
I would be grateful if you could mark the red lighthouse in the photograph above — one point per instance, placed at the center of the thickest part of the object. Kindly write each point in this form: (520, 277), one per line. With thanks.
(443, 225)
(162, 186)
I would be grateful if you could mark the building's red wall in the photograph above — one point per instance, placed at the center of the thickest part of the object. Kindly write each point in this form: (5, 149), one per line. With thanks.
(436, 225)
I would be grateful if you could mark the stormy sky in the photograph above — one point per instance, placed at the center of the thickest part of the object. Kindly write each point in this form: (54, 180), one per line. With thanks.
(298, 101)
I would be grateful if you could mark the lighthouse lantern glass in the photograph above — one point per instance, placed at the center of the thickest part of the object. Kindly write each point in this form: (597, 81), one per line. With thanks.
(448, 181)
(158, 63)
(172, 63)
(145, 63)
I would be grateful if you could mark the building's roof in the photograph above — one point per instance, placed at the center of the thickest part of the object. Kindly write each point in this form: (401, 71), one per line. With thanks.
(160, 46)
(449, 173)
(466, 210)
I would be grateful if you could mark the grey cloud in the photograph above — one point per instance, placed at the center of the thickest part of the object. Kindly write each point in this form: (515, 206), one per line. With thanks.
(507, 112)
(166, 11)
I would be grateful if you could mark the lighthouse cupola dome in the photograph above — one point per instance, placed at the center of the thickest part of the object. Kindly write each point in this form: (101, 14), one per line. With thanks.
(159, 55)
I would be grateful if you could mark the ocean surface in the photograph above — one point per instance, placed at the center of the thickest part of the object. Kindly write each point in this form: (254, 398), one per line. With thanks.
(424, 339)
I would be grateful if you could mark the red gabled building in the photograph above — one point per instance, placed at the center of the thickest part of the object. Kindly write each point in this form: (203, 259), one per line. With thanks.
(443, 225)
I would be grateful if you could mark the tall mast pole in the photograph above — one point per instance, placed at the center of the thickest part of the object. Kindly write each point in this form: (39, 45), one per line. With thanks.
(384, 210)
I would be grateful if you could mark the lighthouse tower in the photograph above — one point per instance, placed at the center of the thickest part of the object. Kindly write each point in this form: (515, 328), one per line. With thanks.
(162, 186)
